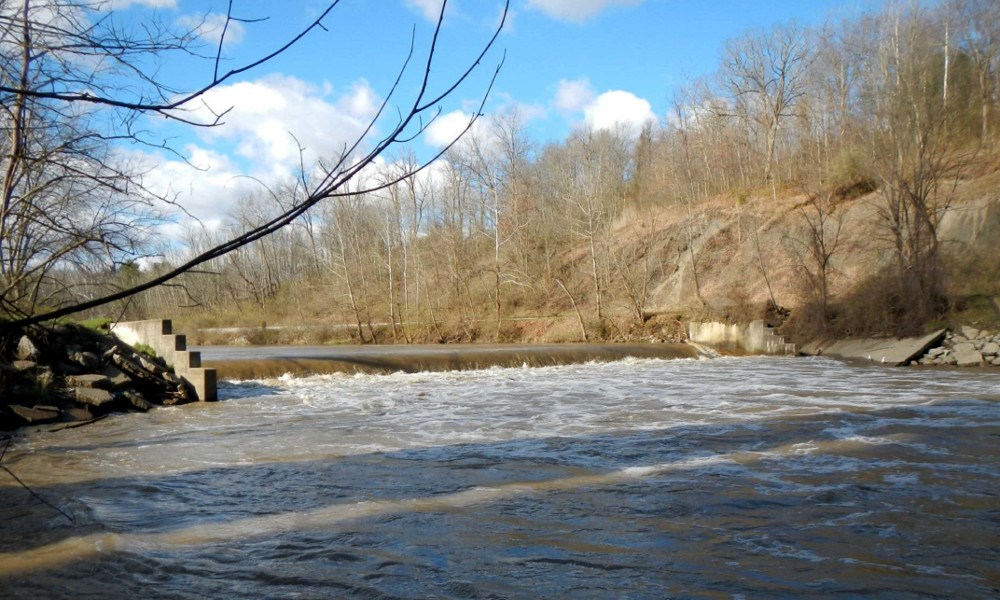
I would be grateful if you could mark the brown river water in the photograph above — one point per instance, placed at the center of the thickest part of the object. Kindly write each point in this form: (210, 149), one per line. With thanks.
(643, 478)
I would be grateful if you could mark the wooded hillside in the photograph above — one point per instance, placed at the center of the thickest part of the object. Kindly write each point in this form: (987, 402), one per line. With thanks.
(846, 173)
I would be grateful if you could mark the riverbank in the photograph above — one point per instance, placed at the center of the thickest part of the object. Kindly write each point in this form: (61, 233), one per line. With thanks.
(968, 347)
(72, 375)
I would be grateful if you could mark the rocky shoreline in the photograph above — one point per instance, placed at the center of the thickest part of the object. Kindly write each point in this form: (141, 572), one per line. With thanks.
(970, 347)
(73, 375)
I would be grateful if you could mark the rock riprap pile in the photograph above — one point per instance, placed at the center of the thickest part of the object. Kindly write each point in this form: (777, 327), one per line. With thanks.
(969, 347)
(69, 373)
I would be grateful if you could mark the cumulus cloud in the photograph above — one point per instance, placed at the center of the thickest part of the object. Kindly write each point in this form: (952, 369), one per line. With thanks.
(207, 186)
(210, 28)
(577, 11)
(446, 128)
(259, 140)
(573, 95)
(617, 108)
(273, 116)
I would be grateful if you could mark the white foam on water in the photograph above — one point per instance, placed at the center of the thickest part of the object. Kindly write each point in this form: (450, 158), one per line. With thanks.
(299, 418)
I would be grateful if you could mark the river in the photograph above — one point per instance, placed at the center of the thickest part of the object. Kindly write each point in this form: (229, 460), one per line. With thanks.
(644, 478)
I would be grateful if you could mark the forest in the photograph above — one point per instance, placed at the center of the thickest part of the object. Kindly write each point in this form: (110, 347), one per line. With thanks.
(808, 180)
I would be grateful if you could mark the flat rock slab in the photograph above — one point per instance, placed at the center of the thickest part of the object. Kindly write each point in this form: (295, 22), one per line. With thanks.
(118, 379)
(89, 381)
(136, 400)
(36, 414)
(889, 351)
(75, 413)
(93, 396)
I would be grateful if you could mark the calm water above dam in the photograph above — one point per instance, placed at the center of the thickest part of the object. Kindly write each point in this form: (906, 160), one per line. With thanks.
(725, 478)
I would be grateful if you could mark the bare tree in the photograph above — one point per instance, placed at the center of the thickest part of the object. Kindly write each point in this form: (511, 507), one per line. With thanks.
(67, 199)
(491, 162)
(914, 161)
(89, 40)
(764, 75)
(815, 247)
(593, 187)
(979, 39)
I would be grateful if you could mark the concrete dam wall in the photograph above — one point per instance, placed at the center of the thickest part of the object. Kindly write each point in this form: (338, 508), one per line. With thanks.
(755, 338)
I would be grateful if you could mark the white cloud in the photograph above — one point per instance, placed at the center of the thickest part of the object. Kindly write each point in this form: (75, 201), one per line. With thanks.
(577, 11)
(207, 186)
(122, 4)
(272, 116)
(211, 26)
(573, 95)
(430, 9)
(446, 128)
(256, 141)
(616, 109)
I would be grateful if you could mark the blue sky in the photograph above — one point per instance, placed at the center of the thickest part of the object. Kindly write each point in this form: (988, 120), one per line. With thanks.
(569, 63)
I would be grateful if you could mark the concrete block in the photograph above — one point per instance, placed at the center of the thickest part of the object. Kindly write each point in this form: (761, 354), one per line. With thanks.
(888, 351)
(204, 382)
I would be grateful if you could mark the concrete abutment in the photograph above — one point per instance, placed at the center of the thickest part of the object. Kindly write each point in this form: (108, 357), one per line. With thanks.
(172, 347)
(755, 338)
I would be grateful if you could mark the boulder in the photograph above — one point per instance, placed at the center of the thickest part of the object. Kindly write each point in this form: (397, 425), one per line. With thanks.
(76, 413)
(967, 356)
(93, 397)
(44, 377)
(135, 400)
(118, 379)
(935, 352)
(24, 365)
(151, 365)
(27, 350)
(970, 333)
(89, 381)
(991, 349)
(35, 414)
(87, 360)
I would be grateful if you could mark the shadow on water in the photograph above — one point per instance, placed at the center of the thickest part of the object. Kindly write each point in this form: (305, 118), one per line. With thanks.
(228, 391)
(667, 510)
